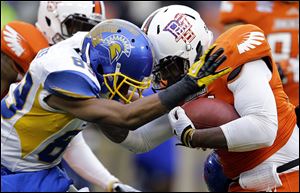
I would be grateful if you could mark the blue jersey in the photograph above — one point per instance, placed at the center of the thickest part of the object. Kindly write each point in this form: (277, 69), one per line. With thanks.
(34, 135)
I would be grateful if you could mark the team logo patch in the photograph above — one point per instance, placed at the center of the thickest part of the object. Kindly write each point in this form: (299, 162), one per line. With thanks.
(117, 45)
(250, 41)
(13, 40)
(180, 27)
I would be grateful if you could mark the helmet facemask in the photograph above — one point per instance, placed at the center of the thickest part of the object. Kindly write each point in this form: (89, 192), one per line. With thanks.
(78, 22)
(123, 87)
(171, 69)
(168, 71)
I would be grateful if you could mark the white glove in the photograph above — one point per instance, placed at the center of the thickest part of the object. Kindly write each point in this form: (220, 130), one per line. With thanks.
(182, 126)
(119, 187)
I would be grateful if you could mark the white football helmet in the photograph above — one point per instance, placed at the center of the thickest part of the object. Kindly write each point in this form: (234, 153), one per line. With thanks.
(59, 20)
(179, 37)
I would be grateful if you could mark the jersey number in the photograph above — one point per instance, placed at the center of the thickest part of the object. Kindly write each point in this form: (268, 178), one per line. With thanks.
(54, 149)
(281, 45)
(20, 96)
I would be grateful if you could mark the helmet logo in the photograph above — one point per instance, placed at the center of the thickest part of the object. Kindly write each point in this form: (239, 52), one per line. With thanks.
(52, 5)
(250, 41)
(117, 45)
(180, 27)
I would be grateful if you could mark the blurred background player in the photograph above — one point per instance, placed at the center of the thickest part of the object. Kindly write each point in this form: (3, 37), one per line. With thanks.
(21, 41)
(280, 22)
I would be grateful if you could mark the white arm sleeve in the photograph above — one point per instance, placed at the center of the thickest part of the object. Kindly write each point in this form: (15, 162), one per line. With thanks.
(255, 103)
(83, 161)
(149, 135)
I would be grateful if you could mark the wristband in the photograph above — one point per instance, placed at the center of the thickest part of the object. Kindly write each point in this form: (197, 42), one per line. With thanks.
(173, 95)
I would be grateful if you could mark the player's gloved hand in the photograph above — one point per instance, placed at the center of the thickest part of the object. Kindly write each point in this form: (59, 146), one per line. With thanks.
(182, 126)
(120, 187)
(204, 70)
(200, 75)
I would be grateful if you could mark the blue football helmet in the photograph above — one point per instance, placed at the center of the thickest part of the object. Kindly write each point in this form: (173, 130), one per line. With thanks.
(121, 56)
(214, 176)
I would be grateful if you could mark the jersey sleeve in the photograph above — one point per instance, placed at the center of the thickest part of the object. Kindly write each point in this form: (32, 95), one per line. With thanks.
(237, 11)
(72, 84)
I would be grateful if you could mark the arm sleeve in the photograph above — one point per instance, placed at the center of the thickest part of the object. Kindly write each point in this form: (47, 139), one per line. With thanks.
(83, 161)
(255, 103)
(69, 83)
(149, 135)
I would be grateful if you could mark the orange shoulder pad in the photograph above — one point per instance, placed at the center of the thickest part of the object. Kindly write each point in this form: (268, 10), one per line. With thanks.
(21, 41)
(242, 44)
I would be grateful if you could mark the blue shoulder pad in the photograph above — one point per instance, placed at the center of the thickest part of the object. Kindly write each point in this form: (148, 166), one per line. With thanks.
(71, 84)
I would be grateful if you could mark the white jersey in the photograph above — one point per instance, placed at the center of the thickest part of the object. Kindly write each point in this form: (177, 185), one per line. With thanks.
(34, 135)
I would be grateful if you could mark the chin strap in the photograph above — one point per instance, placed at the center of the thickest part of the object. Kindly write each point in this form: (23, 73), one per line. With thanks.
(87, 54)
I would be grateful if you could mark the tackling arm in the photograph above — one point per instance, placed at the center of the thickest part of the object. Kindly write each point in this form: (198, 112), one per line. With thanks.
(131, 116)
(109, 112)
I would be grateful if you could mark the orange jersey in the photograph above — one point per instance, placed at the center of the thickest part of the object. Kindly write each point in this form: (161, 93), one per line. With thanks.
(242, 44)
(21, 41)
(280, 23)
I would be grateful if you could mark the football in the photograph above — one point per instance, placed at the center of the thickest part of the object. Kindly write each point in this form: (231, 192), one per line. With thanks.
(209, 112)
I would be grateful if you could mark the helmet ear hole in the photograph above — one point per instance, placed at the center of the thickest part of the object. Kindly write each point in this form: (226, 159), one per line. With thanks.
(100, 69)
(48, 21)
(199, 51)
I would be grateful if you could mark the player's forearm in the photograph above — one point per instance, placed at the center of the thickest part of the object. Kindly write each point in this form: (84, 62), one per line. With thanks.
(143, 111)
(148, 136)
(209, 138)
(146, 109)
(83, 161)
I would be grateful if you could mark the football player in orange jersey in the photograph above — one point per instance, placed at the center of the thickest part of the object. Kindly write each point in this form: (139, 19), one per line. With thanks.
(266, 136)
(21, 42)
(280, 22)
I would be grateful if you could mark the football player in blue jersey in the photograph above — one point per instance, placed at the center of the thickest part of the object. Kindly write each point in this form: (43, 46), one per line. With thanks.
(74, 81)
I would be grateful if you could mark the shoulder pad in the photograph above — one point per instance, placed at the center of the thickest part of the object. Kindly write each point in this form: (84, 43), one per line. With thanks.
(72, 84)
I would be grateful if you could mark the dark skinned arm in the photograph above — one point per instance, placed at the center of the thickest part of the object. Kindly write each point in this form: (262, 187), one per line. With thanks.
(109, 112)
(133, 115)
(209, 138)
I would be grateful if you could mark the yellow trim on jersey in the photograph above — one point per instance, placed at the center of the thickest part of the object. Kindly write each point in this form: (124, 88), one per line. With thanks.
(38, 124)
(71, 94)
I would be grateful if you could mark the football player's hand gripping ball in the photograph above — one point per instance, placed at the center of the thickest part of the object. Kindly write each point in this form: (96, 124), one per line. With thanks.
(182, 126)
